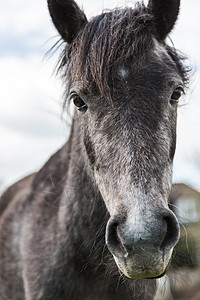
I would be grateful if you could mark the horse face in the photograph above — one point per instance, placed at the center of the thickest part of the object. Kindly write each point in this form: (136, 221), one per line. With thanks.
(129, 129)
(130, 145)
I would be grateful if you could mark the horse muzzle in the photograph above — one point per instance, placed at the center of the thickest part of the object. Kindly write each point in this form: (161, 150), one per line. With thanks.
(143, 248)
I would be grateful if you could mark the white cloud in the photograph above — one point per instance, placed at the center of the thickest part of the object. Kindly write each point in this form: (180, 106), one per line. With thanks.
(30, 125)
(22, 17)
(22, 155)
(28, 89)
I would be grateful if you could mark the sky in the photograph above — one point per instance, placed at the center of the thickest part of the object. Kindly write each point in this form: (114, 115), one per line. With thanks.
(31, 128)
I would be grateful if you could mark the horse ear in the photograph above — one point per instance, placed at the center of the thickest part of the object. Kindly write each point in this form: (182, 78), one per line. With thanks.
(165, 14)
(67, 17)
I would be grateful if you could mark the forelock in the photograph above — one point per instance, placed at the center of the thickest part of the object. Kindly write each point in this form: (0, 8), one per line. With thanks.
(107, 41)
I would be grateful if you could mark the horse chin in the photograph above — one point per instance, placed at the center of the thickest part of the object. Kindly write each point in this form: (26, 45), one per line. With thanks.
(144, 275)
(131, 269)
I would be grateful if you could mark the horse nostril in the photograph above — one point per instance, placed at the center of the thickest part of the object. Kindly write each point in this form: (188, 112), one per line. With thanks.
(172, 231)
(123, 239)
(113, 240)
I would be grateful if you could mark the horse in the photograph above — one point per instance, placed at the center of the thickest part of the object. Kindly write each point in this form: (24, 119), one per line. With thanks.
(94, 223)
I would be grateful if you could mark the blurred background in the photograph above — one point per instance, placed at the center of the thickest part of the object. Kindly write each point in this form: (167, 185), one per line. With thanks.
(31, 128)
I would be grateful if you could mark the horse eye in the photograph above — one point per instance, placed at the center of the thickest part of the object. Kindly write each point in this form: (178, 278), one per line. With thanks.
(78, 102)
(178, 92)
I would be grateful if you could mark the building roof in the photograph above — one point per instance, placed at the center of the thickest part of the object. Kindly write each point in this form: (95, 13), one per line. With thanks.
(182, 190)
